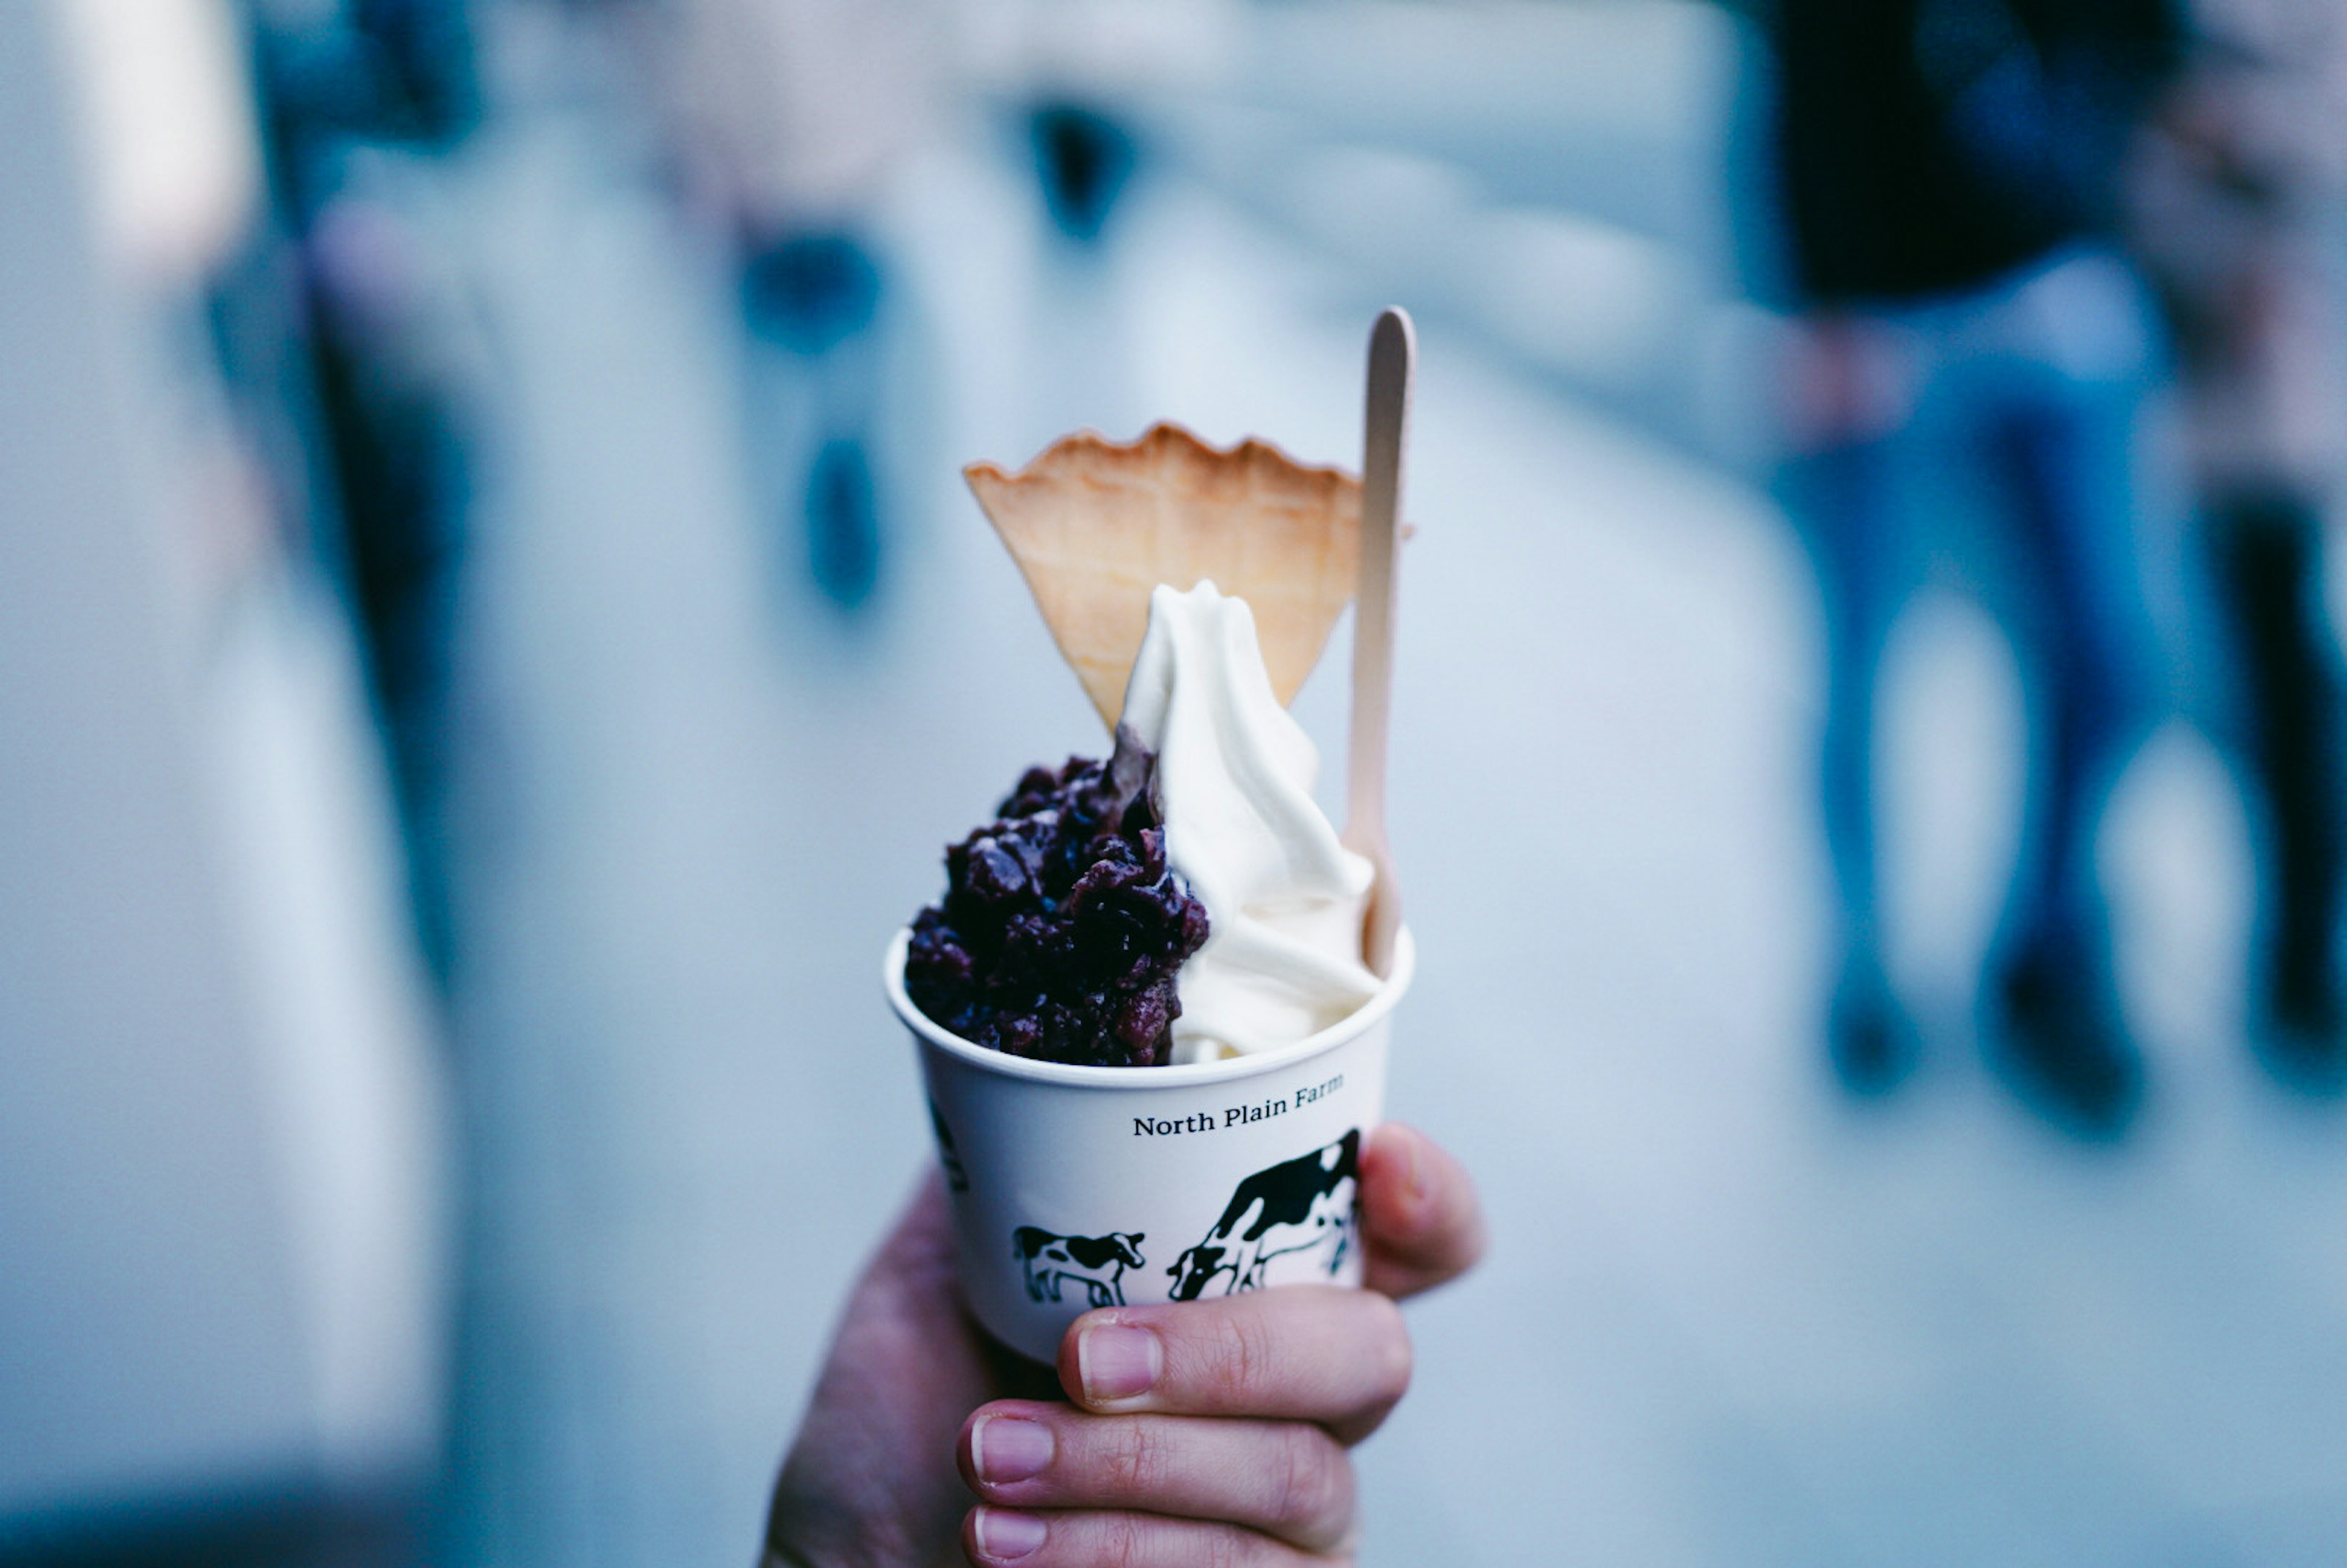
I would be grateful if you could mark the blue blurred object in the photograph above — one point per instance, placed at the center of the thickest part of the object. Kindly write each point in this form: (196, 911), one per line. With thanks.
(817, 298)
(271, 1529)
(1084, 160)
(843, 523)
(811, 292)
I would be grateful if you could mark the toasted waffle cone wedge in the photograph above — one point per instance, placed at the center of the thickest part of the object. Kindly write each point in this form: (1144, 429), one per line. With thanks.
(1095, 526)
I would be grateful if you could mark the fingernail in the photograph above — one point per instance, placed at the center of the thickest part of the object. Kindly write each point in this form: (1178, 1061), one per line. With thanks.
(1009, 1448)
(1002, 1535)
(1117, 1361)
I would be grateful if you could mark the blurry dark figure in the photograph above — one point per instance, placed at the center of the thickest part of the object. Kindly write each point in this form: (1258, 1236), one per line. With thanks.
(1948, 168)
(321, 324)
(2236, 196)
(1083, 158)
(814, 297)
(376, 70)
(400, 470)
(786, 117)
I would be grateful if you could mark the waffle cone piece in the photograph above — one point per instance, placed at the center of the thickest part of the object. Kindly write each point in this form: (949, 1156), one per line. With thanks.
(1095, 526)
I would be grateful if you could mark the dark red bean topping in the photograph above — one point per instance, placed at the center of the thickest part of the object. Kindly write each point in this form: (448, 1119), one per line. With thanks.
(1062, 926)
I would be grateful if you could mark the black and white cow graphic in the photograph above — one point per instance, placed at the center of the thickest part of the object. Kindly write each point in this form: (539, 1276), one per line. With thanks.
(1305, 1202)
(1097, 1263)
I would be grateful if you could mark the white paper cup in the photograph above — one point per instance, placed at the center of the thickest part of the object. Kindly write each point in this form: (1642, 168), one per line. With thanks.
(1076, 1187)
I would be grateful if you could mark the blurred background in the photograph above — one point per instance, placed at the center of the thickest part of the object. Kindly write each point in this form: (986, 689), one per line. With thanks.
(493, 641)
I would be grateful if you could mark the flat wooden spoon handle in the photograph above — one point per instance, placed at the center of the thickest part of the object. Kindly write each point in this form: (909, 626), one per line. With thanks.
(1393, 349)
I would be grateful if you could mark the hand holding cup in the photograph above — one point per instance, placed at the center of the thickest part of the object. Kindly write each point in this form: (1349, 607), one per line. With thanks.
(1196, 1427)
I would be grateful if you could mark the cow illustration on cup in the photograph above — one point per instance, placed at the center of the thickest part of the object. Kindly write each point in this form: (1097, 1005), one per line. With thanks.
(1295, 1207)
(1096, 1263)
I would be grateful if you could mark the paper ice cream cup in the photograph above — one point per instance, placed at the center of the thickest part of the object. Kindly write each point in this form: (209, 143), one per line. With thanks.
(1077, 1187)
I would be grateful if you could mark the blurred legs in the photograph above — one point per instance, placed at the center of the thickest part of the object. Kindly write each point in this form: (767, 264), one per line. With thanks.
(2063, 459)
(1845, 498)
(811, 301)
(2267, 559)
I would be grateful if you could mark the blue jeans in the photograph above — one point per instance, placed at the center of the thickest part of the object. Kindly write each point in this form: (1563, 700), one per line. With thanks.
(2027, 396)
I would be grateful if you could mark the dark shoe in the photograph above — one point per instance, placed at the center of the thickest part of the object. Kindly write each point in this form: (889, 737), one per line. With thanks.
(2062, 1046)
(1870, 1040)
(843, 524)
(1084, 160)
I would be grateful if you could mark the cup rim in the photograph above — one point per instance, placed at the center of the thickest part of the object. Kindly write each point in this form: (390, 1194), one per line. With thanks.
(1351, 1027)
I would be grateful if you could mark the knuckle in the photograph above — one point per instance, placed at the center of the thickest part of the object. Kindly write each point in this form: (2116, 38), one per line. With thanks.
(1312, 1483)
(1250, 1357)
(1124, 1541)
(1223, 1547)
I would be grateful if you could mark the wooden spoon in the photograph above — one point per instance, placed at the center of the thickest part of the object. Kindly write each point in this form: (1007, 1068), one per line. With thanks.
(1393, 348)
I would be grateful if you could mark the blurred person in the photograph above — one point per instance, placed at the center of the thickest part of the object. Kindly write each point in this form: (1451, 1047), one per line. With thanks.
(1073, 81)
(2236, 204)
(787, 115)
(337, 329)
(1206, 1431)
(1948, 171)
(1067, 68)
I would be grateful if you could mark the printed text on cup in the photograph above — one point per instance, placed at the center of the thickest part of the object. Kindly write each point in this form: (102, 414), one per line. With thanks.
(1235, 1115)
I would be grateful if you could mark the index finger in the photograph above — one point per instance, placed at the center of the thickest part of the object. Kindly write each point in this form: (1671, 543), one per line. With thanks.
(1320, 1353)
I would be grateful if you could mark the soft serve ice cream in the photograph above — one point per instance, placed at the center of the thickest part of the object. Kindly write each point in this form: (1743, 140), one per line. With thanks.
(1183, 901)
(1281, 958)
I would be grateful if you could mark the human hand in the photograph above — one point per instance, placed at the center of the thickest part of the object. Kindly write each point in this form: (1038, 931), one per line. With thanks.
(1234, 1443)
(1850, 379)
